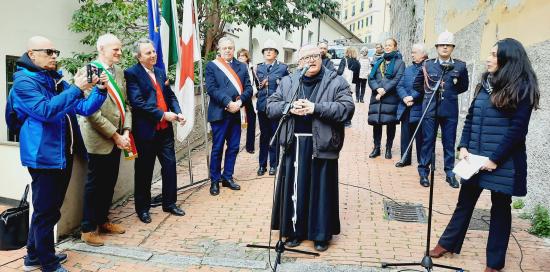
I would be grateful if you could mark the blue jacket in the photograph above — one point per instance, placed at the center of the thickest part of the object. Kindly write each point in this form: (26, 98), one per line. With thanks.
(455, 82)
(46, 107)
(405, 88)
(143, 99)
(499, 135)
(274, 76)
(221, 91)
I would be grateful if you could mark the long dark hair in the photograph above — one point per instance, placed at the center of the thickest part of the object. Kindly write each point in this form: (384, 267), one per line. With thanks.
(515, 78)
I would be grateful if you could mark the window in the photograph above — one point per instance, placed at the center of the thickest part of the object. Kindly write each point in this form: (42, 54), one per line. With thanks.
(369, 39)
(353, 11)
(349, 27)
(309, 36)
(353, 27)
(345, 14)
(10, 70)
(288, 35)
(370, 3)
(371, 19)
(362, 5)
(367, 21)
(366, 39)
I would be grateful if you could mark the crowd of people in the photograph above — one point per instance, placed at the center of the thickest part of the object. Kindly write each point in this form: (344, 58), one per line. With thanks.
(131, 112)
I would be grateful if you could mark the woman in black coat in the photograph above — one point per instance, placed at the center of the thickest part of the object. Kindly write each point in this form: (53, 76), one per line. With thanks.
(495, 127)
(384, 76)
(353, 64)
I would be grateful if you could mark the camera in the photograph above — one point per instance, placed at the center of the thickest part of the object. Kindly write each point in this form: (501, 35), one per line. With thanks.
(91, 70)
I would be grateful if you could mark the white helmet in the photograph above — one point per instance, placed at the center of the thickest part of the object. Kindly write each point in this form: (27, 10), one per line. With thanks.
(445, 38)
(269, 43)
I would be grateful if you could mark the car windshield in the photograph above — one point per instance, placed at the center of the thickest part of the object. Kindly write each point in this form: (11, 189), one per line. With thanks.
(336, 53)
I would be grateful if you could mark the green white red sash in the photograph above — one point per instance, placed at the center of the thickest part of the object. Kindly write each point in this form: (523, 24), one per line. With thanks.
(236, 81)
(116, 94)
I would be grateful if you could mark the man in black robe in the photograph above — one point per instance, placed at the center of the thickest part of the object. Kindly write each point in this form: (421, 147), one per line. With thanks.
(324, 103)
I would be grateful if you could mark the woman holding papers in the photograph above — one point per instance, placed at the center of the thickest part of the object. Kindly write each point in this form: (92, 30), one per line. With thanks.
(496, 128)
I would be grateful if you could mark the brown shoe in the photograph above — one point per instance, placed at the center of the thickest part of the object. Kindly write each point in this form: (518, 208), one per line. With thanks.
(488, 269)
(438, 251)
(111, 228)
(92, 238)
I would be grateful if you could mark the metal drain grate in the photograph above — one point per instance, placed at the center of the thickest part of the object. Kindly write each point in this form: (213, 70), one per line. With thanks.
(404, 212)
(476, 223)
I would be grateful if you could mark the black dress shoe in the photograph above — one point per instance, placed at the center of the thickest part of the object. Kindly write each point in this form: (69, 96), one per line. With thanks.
(261, 171)
(215, 188)
(231, 184)
(320, 245)
(375, 152)
(292, 242)
(402, 164)
(388, 153)
(145, 217)
(250, 151)
(452, 182)
(272, 170)
(424, 181)
(174, 210)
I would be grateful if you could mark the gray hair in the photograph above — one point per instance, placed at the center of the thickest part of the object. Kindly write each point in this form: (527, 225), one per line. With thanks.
(106, 39)
(226, 40)
(136, 47)
(421, 48)
(307, 48)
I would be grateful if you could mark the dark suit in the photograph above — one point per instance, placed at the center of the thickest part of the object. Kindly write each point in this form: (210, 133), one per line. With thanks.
(273, 73)
(226, 126)
(150, 142)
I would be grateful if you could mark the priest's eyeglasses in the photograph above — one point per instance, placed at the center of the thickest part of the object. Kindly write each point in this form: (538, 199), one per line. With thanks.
(311, 57)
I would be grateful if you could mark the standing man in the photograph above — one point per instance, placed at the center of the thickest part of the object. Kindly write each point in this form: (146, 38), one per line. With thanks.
(269, 74)
(44, 108)
(105, 133)
(454, 83)
(323, 47)
(154, 108)
(409, 109)
(229, 89)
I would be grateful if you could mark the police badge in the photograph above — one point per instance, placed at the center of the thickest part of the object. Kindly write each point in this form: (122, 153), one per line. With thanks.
(455, 80)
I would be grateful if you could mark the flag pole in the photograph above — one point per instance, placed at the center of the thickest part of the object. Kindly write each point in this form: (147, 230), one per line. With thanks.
(203, 98)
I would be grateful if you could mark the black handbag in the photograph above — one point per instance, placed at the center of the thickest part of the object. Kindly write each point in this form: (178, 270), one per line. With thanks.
(14, 225)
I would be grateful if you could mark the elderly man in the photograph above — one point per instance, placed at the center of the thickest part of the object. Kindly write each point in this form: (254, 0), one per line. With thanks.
(229, 88)
(105, 133)
(409, 109)
(269, 74)
(454, 83)
(44, 108)
(154, 108)
(314, 133)
(323, 47)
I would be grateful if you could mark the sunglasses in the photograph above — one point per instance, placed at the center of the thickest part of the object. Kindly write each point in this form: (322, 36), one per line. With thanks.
(48, 52)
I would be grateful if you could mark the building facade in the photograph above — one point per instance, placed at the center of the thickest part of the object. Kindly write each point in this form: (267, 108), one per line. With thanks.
(367, 19)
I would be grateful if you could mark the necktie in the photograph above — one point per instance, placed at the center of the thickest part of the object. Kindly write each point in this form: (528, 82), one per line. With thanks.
(269, 66)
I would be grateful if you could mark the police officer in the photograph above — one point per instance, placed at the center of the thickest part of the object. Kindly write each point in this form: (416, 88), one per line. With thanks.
(455, 82)
(269, 75)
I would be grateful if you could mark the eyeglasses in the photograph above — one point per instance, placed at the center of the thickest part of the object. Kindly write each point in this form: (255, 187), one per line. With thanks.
(48, 51)
(311, 57)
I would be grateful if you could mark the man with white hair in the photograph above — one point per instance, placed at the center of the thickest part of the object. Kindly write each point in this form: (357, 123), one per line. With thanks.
(229, 88)
(409, 109)
(105, 134)
(43, 108)
(314, 131)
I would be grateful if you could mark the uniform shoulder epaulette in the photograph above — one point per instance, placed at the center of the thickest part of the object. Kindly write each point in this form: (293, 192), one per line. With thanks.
(459, 60)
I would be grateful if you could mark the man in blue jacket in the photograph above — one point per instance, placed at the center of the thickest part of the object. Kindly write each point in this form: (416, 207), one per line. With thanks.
(455, 81)
(154, 108)
(44, 108)
(269, 74)
(410, 108)
(229, 89)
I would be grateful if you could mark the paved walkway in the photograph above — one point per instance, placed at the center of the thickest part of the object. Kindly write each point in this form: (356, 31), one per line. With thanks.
(214, 233)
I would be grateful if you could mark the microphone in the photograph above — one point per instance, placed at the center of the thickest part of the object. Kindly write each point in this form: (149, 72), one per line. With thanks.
(304, 70)
(447, 66)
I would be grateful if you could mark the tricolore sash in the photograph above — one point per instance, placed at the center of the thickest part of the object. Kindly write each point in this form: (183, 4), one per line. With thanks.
(236, 81)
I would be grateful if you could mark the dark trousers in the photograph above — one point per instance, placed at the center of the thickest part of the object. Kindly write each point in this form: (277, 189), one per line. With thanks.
(48, 192)
(360, 89)
(407, 131)
(377, 135)
(224, 131)
(499, 229)
(99, 188)
(251, 129)
(161, 147)
(267, 130)
(448, 138)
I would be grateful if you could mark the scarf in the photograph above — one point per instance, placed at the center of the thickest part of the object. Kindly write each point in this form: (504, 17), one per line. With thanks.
(388, 72)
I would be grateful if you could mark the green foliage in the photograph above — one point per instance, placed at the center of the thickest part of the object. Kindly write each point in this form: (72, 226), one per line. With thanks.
(540, 222)
(518, 204)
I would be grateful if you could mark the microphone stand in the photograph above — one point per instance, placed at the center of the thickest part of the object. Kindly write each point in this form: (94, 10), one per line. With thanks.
(280, 246)
(427, 262)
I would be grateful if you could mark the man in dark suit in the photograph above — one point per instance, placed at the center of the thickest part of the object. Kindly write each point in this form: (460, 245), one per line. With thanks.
(229, 88)
(154, 107)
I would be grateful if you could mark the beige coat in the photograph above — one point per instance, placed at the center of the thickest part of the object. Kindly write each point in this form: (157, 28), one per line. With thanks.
(98, 128)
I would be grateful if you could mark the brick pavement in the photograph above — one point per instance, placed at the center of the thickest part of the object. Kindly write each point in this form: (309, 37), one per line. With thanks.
(216, 229)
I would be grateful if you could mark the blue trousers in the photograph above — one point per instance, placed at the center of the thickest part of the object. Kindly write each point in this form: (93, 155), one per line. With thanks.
(448, 138)
(407, 131)
(224, 131)
(161, 147)
(499, 229)
(267, 130)
(251, 129)
(48, 192)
